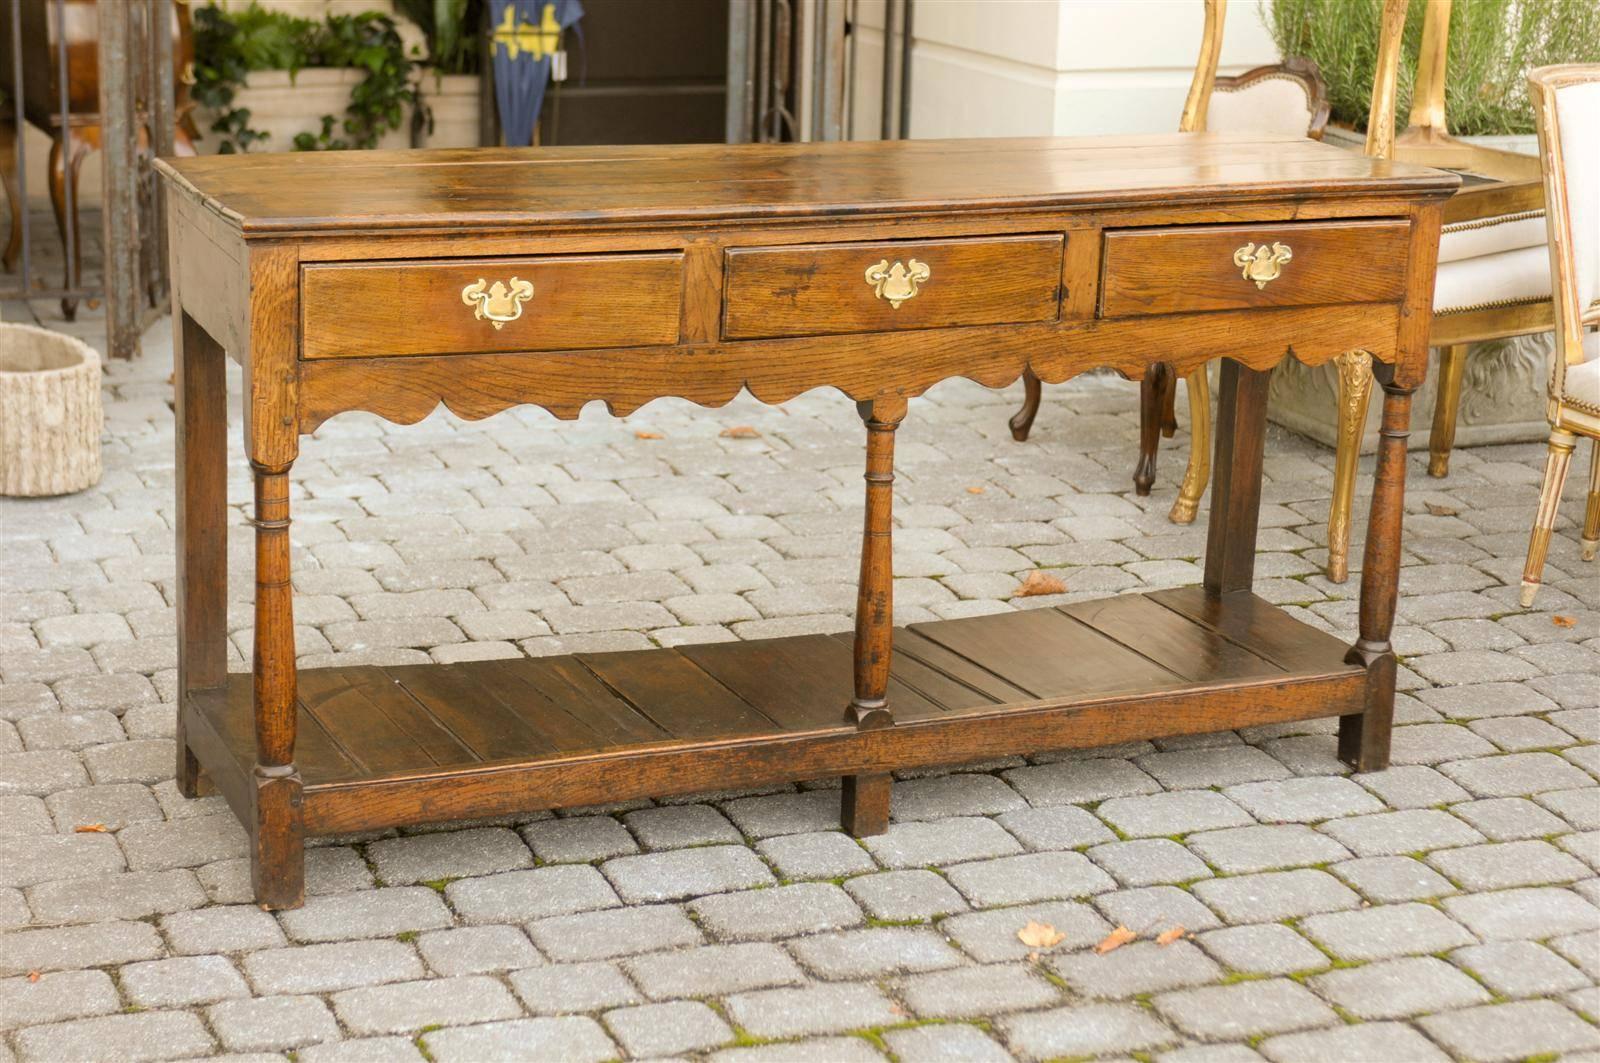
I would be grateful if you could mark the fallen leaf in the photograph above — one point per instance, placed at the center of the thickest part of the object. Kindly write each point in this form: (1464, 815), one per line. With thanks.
(740, 431)
(89, 828)
(1167, 937)
(1564, 621)
(643, 434)
(1040, 935)
(1039, 583)
(1115, 940)
(34, 976)
(1441, 511)
(975, 490)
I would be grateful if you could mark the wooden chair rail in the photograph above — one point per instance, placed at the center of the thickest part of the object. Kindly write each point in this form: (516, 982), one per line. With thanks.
(377, 304)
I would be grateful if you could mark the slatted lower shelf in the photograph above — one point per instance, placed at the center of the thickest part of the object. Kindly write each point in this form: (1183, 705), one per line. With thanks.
(393, 745)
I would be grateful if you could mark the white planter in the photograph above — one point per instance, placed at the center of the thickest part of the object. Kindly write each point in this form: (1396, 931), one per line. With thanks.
(453, 99)
(50, 413)
(1521, 143)
(284, 108)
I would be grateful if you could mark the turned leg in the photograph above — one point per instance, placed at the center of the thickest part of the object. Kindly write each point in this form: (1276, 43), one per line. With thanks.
(1364, 736)
(1544, 519)
(1022, 420)
(1591, 513)
(278, 837)
(200, 393)
(866, 797)
(1154, 390)
(8, 177)
(1443, 437)
(1198, 387)
(1355, 390)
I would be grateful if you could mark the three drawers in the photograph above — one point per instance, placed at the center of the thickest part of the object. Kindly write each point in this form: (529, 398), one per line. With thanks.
(826, 289)
(1238, 267)
(485, 306)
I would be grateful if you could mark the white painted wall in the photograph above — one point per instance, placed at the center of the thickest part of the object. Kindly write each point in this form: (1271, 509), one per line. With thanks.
(1050, 67)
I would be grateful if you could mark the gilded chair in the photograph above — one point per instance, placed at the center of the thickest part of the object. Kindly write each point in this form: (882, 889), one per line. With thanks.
(1289, 97)
(1492, 279)
(1566, 103)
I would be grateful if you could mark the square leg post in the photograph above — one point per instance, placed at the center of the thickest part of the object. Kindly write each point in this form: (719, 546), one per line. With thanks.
(865, 807)
(200, 393)
(1364, 737)
(1236, 491)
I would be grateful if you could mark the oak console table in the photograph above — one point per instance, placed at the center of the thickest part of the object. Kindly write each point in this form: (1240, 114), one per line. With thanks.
(392, 282)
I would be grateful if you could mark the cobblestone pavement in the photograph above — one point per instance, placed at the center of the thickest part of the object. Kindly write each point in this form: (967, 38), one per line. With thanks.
(1445, 908)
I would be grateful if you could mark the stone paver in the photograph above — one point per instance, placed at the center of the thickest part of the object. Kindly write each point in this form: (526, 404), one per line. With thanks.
(1446, 907)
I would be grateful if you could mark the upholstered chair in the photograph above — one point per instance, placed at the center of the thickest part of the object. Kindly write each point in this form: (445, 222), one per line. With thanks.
(1566, 101)
(1288, 97)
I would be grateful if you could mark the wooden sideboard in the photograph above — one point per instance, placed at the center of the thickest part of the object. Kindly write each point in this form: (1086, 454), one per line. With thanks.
(393, 282)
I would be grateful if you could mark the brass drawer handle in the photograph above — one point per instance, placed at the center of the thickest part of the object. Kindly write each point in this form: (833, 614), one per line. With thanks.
(1262, 264)
(898, 282)
(498, 302)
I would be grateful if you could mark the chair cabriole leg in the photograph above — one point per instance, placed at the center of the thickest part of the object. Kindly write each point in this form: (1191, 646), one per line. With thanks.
(1355, 391)
(1197, 386)
(1154, 390)
(1022, 421)
(1452, 361)
(865, 808)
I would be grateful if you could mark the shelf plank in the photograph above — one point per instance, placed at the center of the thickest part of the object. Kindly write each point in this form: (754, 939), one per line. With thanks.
(1255, 624)
(1174, 641)
(461, 701)
(681, 699)
(377, 721)
(563, 700)
(1048, 654)
(944, 692)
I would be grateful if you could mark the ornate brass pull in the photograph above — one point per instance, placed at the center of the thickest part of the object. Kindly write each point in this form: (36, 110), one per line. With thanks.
(898, 282)
(498, 302)
(1261, 264)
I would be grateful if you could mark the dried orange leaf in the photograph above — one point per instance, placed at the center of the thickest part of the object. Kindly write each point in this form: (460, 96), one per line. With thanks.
(1564, 621)
(89, 828)
(1115, 940)
(1440, 511)
(646, 434)
(1040, 935)
(1167, 937)
(34, 976)
(1039, 583)
(975, 490)
(740, 431)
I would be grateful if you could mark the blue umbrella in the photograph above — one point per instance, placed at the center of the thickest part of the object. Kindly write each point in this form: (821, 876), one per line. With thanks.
(527, 35)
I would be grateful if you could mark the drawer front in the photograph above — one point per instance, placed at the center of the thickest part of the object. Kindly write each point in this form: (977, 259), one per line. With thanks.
(478, 306)
(822, 289)
(1236, 267)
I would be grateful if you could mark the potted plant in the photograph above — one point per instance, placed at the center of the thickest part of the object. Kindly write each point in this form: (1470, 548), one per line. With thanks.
(266, 79)
(1493, 44)
(449, 85)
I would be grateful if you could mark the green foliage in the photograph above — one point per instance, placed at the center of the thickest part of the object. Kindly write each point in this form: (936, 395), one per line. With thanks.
(1493, 45)
(229, 45)
(451, 29)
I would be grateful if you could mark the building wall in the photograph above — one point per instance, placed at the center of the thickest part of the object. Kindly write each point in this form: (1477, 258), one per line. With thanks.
(1049, 67)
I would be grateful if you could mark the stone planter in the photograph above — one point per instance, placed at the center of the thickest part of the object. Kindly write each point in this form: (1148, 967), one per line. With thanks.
(1502, 387)
(283, 107)
(453, 100)
(50, 414)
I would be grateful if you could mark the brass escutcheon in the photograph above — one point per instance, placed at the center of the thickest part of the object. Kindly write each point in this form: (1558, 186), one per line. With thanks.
(498, 302)
(898, 282)
(1262, 264)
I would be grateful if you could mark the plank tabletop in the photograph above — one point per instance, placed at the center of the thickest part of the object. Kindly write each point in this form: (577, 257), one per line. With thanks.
(370, 191)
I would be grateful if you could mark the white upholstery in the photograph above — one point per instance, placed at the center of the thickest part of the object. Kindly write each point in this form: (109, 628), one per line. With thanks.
(1485, 236)
(1505, 277)
(1274, 104)
(1583, 381)
(1578, 112)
